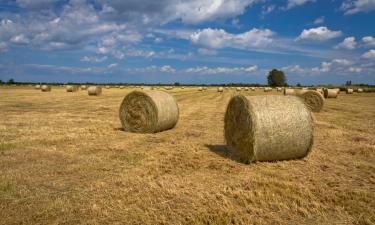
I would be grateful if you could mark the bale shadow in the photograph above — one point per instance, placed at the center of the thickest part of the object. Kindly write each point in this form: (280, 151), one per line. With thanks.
(118, 129)
(220, 150)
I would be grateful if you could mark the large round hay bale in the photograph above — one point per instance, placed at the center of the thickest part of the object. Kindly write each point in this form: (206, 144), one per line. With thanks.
(46, 88)
(71, 88)
(279, 89)
(220, 89)
(300, 91)
(313, 100)
(349, 91)
(268, 128)
(330, 93)
(246, 89)
(83, 87)
(148, 111)
(200, 89)
(94, 90)
(320, 90)
(204, 88)
(37, 87)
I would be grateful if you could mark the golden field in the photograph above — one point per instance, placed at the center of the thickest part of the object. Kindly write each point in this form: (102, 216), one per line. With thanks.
(64, 159)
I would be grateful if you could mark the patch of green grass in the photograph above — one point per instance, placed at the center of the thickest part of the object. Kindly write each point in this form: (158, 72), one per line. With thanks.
(6, 147)
(6, 186)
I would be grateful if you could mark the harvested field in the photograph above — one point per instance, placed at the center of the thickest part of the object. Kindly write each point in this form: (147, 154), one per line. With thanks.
(64, 159)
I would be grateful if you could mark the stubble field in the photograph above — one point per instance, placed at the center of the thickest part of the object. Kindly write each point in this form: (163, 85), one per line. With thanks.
(64, 159)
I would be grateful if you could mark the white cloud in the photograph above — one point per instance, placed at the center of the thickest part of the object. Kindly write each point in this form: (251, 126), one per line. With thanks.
(369, 55)
(221, 70)
(94, 59)
(219, 38)
(347, 43)
(295, 3)
(35, 4)
(112, 66)
(167, 69)
(205, 51)
(355, 69)
(164, 11)
(319, 20)
(20, 39)
(152, 69)
(268, 9)
(369, 41)
(318, 34)
(356, 6)
(343, 62)
(294, 69)
(3, 47)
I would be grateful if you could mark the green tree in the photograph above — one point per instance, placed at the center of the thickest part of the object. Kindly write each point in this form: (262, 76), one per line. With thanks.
(348, 83)
(10, 81)
(276, 78)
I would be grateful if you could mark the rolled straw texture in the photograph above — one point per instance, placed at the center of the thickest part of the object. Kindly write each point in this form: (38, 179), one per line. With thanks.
(268, 128)
(148, 112)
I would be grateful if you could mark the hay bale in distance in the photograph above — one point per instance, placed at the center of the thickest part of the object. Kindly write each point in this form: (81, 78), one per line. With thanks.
(360, 90)
(46, 88)
(246, 89)
(238, 89)
(279, 89)
(268, 128)
(148, 111)
(37, 87)
(349, 91)
(94, 91)
(83, 87)
(71, 88)
(313, 100)
(330, 93)
(289, 91)
(267, 89)
(200, 89)
(220, 89)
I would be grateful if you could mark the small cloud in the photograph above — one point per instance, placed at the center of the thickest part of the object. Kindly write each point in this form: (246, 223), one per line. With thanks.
(347, 43)
(355, 6)
(319, 20)
(355, 69)
(20, 39)
(295, 3)
(369, 55)
(94, 59)
(205, 51)
(318, 34)
(167, 69)
(369, 41)
(112, 66)
(3, 47)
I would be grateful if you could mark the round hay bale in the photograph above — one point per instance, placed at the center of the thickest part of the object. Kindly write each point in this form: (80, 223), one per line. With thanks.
(204, 88)
(246, 89)
(46, 88)
(313, 100)
(300, 91)
(121, 87)
(279, 89)
(320, 90)
(238, 89)
(349, 91)
(37, 87)
(107, 86)
(268, 128)
(94, 90)
(360, 90)
(148, 111)
(220, 89)
(200, 89)
(71, 88)
(252, 88)
(330, 93)
(83, 87)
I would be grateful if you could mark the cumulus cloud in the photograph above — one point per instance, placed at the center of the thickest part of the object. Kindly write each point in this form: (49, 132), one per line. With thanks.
(295, 3)
(355, 69)
(219, 38)
(36, 4)
(112, 66)
(152, 69)
(205, 51)
(355, 6)
(164, 11)
(369, 55)
(318, 34)
(221, 70)
(369, 41)
(347, 43)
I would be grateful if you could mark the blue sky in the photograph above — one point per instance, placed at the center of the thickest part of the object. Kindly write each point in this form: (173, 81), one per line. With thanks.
(189, 41)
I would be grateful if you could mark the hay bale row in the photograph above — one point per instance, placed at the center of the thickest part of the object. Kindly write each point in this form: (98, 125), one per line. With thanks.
(148, 111)
(94, 91)
(268, 128)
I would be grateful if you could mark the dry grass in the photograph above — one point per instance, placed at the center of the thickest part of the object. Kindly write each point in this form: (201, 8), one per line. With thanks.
(65, 160)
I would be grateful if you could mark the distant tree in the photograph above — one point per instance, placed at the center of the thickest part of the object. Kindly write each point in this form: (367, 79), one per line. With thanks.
(176, 84)
(276, 78)
(11, 81)
(348, 83)
(298, 85)
(1, 81)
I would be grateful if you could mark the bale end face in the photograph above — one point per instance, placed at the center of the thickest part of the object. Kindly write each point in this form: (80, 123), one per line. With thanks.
(94, 91)
(313, 100)
(148, 112)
